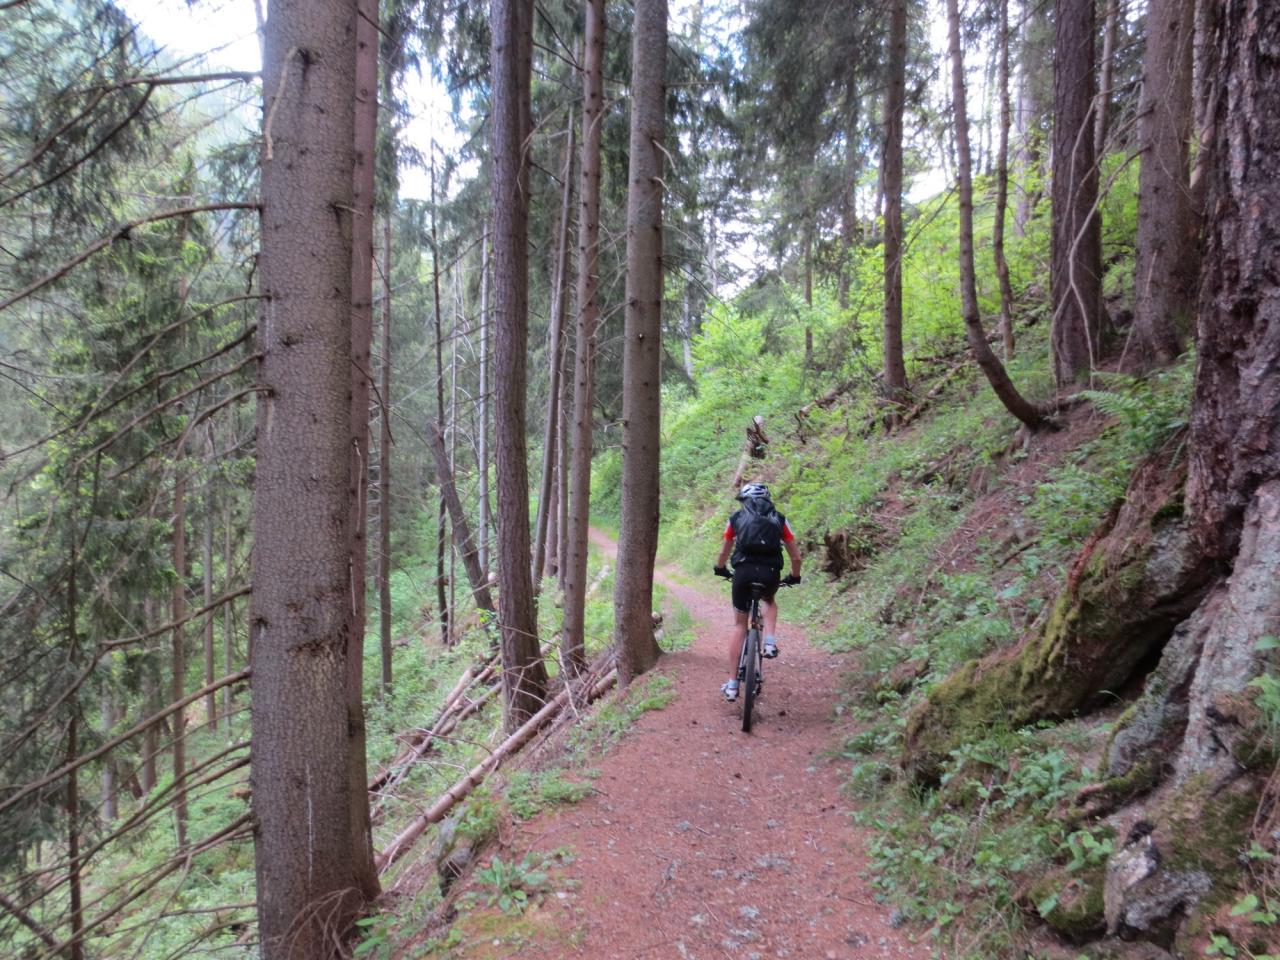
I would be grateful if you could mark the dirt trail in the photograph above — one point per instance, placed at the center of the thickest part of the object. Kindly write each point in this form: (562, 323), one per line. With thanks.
(705, 842)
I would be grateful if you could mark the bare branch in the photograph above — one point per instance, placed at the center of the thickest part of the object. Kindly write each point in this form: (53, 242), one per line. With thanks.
(129, 734)
(121, 231)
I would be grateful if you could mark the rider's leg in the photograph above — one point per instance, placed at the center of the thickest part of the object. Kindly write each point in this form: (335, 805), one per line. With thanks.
(737, 633)
(769, 610)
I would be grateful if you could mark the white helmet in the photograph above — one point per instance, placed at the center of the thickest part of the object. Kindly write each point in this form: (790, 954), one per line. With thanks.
(752, 491)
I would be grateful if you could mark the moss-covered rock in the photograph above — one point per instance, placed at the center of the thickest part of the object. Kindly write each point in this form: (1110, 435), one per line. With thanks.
(1122, 600)
(1071, 903)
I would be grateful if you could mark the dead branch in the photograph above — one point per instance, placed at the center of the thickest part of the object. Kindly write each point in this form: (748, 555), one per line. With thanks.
(88, 155)
(114, 742)
(229, 832)
(120, 231)
(27, 921)
(156, 805)
(163, 404)
(470, 677)
(174, 624)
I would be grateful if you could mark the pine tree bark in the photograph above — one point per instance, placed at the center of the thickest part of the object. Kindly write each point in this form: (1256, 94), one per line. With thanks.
(524, 675)
(990, 365)
(579, 492)
(1035, 103)
(1106, 73)
(442, 600)
(74, 879)
(362, 186)
(151, 705)
(384, 469)
(1076, 253)
(307, 888)
(637, 650)
(110, 807)
(1235, 421)
(1002, 188)
(486, 389)
(558, 554)
(211, 701)
(555, 350)
(463, 541)
(228, 622)
(1166, 254)
(178, 654)
(895, 371)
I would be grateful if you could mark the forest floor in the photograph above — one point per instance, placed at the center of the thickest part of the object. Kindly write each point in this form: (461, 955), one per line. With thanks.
(701, 841)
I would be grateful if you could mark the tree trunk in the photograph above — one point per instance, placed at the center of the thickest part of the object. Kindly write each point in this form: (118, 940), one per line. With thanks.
(977, 337)
(485, 388)
(442, 600)
(307, 888)
(555, 352)
(463, 540)
(1002, 188)
(206, 563)
(1165, 257)
(895, 372)
(579, 492)
(524, 675)
(486, 339)
(364, 143)
(178, 657)
(558, 554)
(686, 334)
(1207, 723)
(151, 705)
(1076, 256)
(1107, 69)
(384, 469)
(641, 382)
(1035, 101)
(74, 880)
(228, 622)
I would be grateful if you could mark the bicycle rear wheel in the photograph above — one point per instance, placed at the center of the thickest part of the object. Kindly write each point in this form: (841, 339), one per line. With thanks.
(750, 676)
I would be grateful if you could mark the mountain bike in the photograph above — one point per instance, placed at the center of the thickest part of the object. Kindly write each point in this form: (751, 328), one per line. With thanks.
(751, 660)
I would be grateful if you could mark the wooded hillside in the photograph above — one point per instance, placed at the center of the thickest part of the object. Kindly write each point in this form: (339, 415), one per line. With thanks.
(309, 424)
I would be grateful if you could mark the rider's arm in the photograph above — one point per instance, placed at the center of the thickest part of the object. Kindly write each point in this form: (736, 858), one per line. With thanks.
(794, 553)
(726, 546)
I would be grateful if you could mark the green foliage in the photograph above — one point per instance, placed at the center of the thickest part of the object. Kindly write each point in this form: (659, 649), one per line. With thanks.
(510, 885)
(528, 794)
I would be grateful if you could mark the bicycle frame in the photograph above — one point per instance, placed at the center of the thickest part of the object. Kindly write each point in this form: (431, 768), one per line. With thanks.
(751, 659)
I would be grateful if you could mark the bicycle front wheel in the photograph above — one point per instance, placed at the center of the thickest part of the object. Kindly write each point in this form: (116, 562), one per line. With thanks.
(750, 676)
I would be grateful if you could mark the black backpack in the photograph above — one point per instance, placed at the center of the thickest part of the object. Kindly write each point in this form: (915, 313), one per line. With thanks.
(757, 533)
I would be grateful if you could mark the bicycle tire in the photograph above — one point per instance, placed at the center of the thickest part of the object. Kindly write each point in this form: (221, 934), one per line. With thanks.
(750, 676)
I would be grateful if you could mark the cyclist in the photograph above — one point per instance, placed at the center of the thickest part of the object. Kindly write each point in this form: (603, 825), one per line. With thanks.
(756, 534)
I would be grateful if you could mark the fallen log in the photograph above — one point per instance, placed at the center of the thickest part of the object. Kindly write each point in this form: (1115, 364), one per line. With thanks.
(476, 775)
(420, 735)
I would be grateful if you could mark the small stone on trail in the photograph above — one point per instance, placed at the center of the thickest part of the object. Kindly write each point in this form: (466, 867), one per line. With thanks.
(684, 826)
(831, 954)
(897, 919)
(771, 824)
(719, 874)
(749, 913)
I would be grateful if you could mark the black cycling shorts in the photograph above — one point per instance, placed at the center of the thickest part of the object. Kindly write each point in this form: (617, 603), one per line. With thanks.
(745, 574)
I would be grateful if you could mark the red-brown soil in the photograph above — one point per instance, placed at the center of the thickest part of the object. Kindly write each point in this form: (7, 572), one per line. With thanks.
(702, 841)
